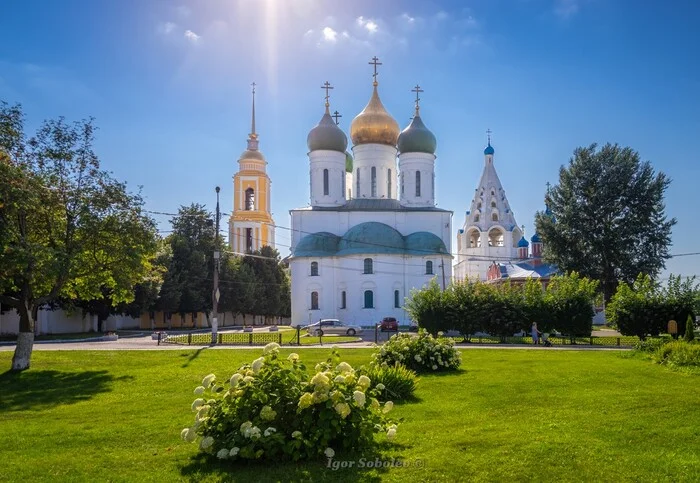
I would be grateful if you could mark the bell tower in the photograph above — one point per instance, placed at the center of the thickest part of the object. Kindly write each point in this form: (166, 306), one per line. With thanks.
(251, 225)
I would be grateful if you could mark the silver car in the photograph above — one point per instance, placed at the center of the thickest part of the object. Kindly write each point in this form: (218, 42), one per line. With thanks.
(332, 326)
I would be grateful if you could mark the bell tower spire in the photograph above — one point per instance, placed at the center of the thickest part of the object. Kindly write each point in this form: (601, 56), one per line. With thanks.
(253, 136)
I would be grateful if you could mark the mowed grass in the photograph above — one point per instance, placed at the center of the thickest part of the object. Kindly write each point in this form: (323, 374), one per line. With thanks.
(509, 415)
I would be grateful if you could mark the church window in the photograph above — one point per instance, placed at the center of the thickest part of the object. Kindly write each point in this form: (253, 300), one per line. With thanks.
(417, 184)
(249, 199)
(494, 217)
(369, 299)
(314, 269)
(325, 182)
(493, 204)
(476, 218)
(397, 302)
(374, 181)
(401, 176)
(496, 238)
(314, 300)
(249, 240)
(478, 205)
(342, 183)
(429, 267)
(493, 193)
(388, 183)
(474, 239)
(357, 183)
(368, 265)
(343, 300)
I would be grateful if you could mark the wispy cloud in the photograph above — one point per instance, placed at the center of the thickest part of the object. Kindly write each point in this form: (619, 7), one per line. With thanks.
(330, 35)
(166, 28)
(565, 9)
(191, 36)
(368, 24)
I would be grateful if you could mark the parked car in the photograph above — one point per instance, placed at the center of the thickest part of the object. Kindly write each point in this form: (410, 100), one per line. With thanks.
(332, 326)
(389, 323)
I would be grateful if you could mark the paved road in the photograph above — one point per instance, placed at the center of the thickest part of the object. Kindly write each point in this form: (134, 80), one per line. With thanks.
(147, 343)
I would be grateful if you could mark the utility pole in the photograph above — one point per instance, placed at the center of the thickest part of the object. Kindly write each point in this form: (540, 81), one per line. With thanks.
(215, 292)
(442, 265)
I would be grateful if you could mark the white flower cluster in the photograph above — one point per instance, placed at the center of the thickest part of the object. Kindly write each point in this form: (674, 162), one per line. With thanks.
(421, 352)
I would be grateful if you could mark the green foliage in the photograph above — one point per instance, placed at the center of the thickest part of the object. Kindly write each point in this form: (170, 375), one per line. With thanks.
(392, 382)
(426, 307)
(650, 345)
(274, 409)
(569, 301)
(68, 229)
(645, 307)
(422, 353)
(606, 217)
(689, 329)
(678, 353)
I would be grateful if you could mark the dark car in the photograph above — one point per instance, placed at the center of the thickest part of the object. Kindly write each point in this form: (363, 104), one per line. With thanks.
(389, 323)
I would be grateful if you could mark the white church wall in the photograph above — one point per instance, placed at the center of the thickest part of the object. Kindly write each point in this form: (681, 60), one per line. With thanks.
(409, 164)
(334, 162)
(383, 159)
(338, 274)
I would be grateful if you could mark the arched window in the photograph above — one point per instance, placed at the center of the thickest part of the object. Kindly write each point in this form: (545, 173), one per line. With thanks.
(248, 240)
(368, 265)
(401, 176)
(342, 184)
(478, 205)
(388, 184)
(249, 199)
(314, 269)
(493, 204)
(373, 180)
(496, 238)
(494, 217)
(428, 267)
(397, 303)
(343, 300)
(369, 299)
(357, 183)
(474, 239)
(417, 184)
(325, 182)
(476, 218)
(314, 300)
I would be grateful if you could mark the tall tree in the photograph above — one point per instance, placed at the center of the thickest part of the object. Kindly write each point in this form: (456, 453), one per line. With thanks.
(605, 218)
(67, 228)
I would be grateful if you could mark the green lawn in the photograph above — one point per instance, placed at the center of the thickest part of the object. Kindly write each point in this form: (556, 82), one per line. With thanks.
(510, 415)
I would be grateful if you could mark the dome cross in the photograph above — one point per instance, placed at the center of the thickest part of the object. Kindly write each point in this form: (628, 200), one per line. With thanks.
(375, 62)
(327, 87)
(335, 116)
(417, 90)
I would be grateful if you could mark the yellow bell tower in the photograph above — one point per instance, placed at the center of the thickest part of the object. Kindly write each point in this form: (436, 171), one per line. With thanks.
(251, 226)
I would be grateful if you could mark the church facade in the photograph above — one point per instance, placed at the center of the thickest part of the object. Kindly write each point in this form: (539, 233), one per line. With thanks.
(372, 231)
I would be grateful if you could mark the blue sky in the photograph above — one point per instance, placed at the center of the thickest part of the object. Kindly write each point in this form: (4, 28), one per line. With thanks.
(169, 85)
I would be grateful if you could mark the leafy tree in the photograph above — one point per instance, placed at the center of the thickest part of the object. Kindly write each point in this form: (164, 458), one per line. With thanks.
(570, 300)
(67, 228)
(270, 281)
(605, 218)
(535, 308)
(426, 307)
(689, 329)
(502, 309)
(636, 309)
(238, 287)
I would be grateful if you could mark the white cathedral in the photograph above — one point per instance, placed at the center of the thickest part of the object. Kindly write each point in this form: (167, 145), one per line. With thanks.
(372, 232)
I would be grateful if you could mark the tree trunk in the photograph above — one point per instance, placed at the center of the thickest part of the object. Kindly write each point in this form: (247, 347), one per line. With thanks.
(25, 338)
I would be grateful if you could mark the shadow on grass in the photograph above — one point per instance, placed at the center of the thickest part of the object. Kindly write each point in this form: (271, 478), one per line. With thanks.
(36, 390)
(455, 373)
(193, 356)
(348, 467)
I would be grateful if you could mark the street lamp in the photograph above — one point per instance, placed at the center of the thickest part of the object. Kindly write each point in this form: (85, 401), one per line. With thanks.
(215, 291)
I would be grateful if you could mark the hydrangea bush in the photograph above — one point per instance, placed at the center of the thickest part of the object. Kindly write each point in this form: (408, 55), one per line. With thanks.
(422, 353)
(274, 408)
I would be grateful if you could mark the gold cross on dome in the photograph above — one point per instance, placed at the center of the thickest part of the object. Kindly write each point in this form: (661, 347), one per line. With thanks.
(327, 86)
(375, 62)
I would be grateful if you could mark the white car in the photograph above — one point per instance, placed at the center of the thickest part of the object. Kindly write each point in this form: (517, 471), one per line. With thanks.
(332, 326)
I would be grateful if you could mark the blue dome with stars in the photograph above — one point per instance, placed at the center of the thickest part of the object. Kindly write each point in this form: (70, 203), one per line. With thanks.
(523, 243)
(536, 238)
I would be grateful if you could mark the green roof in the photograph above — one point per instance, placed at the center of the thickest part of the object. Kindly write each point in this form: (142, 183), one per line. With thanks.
(370, 238)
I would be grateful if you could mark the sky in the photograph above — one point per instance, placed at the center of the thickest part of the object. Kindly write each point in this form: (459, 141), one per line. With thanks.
(169, 85)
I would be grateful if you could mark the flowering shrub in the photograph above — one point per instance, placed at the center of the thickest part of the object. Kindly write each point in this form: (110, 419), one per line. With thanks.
(391, 382)
(275, 409)
(422, 353)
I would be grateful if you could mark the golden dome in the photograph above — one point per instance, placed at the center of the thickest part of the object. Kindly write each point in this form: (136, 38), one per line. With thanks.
(374, 125)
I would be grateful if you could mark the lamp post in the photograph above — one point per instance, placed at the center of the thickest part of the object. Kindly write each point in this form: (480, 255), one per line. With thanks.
(215, 291)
